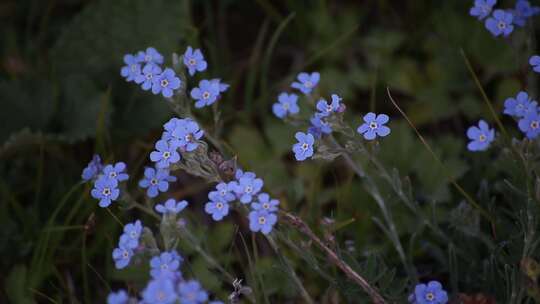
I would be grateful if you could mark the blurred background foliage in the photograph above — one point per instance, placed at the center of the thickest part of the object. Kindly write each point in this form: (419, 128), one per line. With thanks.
(62, 99)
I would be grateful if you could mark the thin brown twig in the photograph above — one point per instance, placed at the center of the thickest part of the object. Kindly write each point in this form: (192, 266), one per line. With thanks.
(298, 224)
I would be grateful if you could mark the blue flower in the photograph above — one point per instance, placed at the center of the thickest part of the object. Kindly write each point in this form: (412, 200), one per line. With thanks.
(286, 105)
(191, 292)
(146, 78)
(160, 291)
(373, 126)
(519, 106)
(534, 61)
(116, 172)
(500, 23)
(222, 86)
(122, 256)
(303, 149)
(307, 82)
(165, 83)
(194, 61)
(530, 124)
(206, 94)
(432, 293)
(523, 10)
(239, 174)
(165, 154)
(319, 125)
(482, 8)
(166, 265)
(132, 232)
(265, 203)
(326, 108)
(119, 297)
(132, 68)
(246, 187)
(92, 169)
(224, 191)
(151, 56)
(481, 136)
(105, 190)
(186, 134)
(217, 207)
(156, 181)
(262, 220)
(171, 206)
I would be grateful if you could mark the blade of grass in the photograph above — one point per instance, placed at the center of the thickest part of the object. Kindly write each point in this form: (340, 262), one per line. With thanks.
(253, 64)
(269, 51)
(484, 95)
(450, 178)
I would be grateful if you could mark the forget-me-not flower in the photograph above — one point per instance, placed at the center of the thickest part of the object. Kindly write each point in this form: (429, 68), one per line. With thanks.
(431, 293)
(286, 105)
(146, 78)
(165, 154)
(132, 233)
(92, 169)
(186, 133)
(481, 136)
(320, 125)
(166, 83)
(119, 297)
(222, 86)
(191, 292)
(105, 190)
(482, 8)
(156, 181)
(306, 82)
(151, 55)
(116, 171)
(326, 108)
(160, 291)
(303, 149)
(265, 203)
(246, 187)
(217, 207)
(206, 94)
(224, 191)
(194, 60)
(500, 23)
(530, 124)
(171, 206)
(519, 106)
(373, 126)
(522, 11)
(262, 220)
(534, 61)
(132, 68)
(122, 257)
(166, 265)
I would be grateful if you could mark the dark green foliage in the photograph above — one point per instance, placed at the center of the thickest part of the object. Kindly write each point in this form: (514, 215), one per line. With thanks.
(62, 99)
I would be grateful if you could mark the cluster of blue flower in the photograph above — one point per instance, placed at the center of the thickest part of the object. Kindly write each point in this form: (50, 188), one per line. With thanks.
(128, 244)
(526, 112)
(287, 105)
(166, 285)
(106, 179)
(522, 108)
(246, 188)
(501, 22)
(144, 68)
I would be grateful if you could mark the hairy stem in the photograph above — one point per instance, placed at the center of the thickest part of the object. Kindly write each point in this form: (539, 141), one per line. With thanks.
(298, 224)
